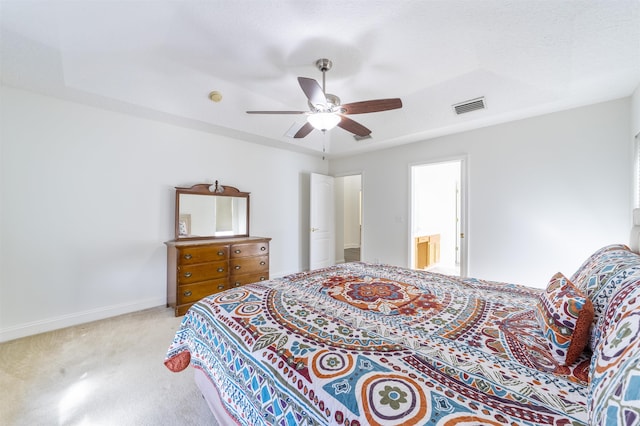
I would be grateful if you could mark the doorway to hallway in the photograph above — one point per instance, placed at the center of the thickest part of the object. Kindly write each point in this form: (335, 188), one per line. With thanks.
(348, 191)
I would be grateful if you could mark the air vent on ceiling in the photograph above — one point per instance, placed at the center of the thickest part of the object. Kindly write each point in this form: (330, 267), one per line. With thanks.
(361, 138)
(468, 106)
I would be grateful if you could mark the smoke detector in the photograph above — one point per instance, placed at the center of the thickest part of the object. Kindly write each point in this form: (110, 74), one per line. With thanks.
(215, 96)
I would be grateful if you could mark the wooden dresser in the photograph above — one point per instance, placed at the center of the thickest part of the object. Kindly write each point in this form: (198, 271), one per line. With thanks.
(198, 268)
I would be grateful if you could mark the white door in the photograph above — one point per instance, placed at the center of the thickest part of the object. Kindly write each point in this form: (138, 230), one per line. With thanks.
(322, 222)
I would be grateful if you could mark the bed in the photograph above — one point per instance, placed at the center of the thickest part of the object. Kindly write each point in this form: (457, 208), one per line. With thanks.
(367, 344)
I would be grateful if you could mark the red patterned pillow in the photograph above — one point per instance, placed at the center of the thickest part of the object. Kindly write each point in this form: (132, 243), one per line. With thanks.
(565, 315)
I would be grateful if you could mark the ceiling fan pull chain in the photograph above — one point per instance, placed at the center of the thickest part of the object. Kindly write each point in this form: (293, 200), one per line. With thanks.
(324, 138)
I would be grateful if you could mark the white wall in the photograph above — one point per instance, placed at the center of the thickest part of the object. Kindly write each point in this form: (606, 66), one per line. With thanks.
(543, 193)
(635, 140)
(635, 112)
(87, 201)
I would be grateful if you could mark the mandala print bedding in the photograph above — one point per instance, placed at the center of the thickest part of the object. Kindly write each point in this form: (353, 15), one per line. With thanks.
(361, 344)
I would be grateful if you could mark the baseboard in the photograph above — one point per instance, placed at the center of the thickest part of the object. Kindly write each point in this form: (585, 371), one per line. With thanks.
(351, 246)
(76, 318)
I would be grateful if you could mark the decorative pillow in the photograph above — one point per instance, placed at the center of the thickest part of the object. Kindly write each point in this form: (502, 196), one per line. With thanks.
(593, 263)
(565, 315)
(624, 273)
(603, 274)
(610, 264)
(614, 390)
(609, 298)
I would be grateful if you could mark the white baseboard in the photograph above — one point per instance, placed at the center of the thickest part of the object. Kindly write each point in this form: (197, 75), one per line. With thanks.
(350, 246)
(76, 318)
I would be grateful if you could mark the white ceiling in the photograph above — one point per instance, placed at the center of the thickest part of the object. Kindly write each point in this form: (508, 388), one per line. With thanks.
(160, 59)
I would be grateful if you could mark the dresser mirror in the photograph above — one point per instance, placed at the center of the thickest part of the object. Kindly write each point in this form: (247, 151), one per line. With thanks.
(211, 211)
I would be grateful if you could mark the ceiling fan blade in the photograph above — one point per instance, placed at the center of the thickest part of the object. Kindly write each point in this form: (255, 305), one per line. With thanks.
(304, 130)
(277, 112)
(353, 126)
(313, 91)
(376, 105)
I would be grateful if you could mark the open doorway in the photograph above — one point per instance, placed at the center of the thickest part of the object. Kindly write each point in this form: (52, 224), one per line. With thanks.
(348, 193)
(436, 217)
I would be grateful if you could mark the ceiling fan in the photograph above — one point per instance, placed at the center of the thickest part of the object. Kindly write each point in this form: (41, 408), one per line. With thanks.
(326, 112)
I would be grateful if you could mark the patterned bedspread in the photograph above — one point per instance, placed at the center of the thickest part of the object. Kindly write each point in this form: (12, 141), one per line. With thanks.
(359, 344)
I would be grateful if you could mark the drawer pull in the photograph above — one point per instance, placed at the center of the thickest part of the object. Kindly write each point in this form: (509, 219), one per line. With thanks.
(220, 253)
(237, 251)
(187, 256)
(236, 267)
(262, 278)
(263, 263)
(221, 287)
(220, 269)
(187, 293)
(263, 248)
(237, 284)
(187, 274)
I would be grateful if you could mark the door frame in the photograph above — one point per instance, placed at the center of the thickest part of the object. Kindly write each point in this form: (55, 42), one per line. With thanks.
(464, 185)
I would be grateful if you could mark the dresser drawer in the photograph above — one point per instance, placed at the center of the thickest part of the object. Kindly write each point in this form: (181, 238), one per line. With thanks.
(201, 272)
(240, 280)
(200, 254)
(249, 265)
(249, 249)
(191, 293)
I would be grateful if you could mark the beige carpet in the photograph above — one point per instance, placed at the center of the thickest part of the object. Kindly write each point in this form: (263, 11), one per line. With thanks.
(107, 372)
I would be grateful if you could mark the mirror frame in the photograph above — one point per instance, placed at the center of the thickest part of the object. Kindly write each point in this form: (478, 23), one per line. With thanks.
(204, 190)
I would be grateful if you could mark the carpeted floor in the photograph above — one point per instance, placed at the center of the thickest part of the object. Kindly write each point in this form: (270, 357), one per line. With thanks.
(352, 254)
(108, 372)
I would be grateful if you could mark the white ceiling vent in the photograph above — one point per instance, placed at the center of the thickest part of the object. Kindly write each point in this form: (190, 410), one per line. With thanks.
(471, 105)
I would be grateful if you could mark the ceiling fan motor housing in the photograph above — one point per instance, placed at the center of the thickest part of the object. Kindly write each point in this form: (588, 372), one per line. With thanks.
(324, 64)
(333, 104)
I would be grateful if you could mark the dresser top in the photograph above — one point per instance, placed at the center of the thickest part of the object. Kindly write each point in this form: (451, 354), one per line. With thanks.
(234, 240)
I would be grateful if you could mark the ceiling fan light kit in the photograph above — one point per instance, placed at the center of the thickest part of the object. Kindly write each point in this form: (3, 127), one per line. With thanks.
(324, 120)
(326, 111)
